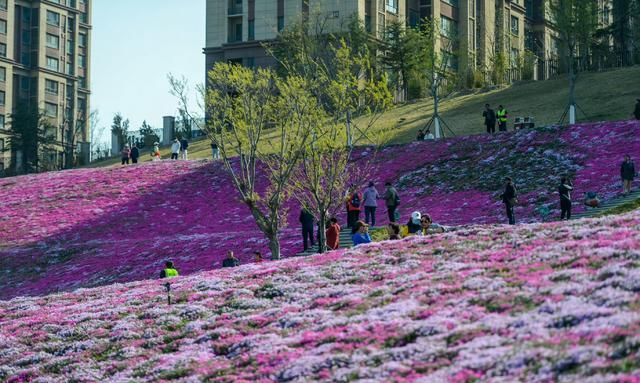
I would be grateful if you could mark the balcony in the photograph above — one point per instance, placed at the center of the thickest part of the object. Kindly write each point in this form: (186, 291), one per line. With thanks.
(235, 10)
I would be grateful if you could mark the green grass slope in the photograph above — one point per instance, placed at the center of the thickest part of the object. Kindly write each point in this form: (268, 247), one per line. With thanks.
(603, 96)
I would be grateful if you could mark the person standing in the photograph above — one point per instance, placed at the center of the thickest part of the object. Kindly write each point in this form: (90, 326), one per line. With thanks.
(135, 154)
(155, 152)
(169, 271)
(391, 200)
(420, 136)
(175, 149)
(184, 145)
(370, 199)
(306, 221)
(215, 151)
(502, 117)
(636, 112)
(489, 118)
(565, 189)
(354, 202)
(361, 234)
(627, 173)
(333, 234)
(509, 199)
(230, 260)
(126, 154)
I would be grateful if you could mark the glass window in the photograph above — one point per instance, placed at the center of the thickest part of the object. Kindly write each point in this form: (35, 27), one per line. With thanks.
(448, 27)
(53, 63)
(3, 74)
(82, 61)
(451, 2)
(392, 6)
(252, 30)
(3, 50)
(51, 86)
(50, 110)
(53, 41)
(280, 23)
(82, 40)
(2, 95)
(53, 18)
(3, 4)
(3, 27)
(515, 25)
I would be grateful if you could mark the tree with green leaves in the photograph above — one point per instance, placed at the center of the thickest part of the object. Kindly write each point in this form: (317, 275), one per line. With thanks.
(576, 22)
(120, 129)
(148, 135)
(243, 105)
(399, 53)
(31, 137)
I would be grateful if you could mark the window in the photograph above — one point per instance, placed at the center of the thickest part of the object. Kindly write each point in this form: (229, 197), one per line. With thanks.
(69, 68)
(82, 61)
(53, 18)
(280, 23)
(451, 2)
(448, 27)
(53, 63)
(3, 74)
(515, 56)
(50, 110)
(51, 86)
(82, 40)
(2, 95)
(392, 6)
(515, 25)
(252, 30)
(53, 41)
(25, 83)
(3, 5)
(3, 50)
(3, 27)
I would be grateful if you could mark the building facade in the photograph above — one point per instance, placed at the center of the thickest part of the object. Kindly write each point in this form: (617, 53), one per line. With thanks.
(44, 62)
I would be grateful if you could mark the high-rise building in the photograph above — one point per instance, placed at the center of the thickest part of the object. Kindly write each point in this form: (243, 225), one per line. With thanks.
(44, 62)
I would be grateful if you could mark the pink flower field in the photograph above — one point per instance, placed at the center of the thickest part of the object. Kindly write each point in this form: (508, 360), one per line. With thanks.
(92, 227)
(550, 302)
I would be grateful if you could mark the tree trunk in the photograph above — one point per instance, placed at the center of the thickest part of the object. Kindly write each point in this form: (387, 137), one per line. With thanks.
(274, 246)
(322, 240)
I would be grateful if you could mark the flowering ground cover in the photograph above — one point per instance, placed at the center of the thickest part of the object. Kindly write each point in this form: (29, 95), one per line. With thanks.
(90, 227)
(551, 302)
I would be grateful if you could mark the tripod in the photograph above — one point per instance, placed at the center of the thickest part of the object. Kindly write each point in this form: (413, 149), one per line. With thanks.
(571, 114)
(437, 121)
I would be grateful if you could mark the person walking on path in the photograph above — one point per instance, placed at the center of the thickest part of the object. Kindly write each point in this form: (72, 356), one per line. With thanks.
(175, 149)
(502, 117)
(354, 206)
(489, 118)
(215, 151)
(565, 189)
(627, 173)
(370, 199)
(361, 234)
(135, 154)
(184, 145)
(636, 112)
(333, 234)
(391, 200)
(169, 271)
(230, 260)
(126, 154)
(306, 220)
(509, 197)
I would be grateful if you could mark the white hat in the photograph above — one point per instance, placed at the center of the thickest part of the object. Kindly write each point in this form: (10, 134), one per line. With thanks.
(415, 217)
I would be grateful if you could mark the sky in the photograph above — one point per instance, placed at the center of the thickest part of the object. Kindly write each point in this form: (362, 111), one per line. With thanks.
(136, 43)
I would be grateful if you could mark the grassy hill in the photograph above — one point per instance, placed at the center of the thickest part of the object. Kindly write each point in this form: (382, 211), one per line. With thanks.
(605, 96)
(551, 302)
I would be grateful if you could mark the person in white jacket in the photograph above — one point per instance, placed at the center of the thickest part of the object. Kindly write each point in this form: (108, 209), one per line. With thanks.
(175, 149)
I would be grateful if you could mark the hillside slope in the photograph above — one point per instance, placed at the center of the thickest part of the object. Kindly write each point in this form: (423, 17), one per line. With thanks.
(604, 96)
(90, 227)
(536, 303)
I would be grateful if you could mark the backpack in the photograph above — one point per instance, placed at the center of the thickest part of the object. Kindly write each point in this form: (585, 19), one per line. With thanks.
(355, 200)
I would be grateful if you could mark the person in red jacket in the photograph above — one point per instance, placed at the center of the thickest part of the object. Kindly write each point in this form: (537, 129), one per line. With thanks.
(333, 234)
(354, 206)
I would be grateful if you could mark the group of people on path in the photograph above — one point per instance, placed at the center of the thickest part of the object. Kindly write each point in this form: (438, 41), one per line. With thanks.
(129, 153)
(179, 147)
(491, 117)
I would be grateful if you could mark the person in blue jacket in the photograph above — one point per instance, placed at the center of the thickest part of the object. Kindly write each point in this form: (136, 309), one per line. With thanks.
(361, 234)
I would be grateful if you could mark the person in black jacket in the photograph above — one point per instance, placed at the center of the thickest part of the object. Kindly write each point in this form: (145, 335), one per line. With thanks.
(627, 173)
(306, 220)
(509, 199)
(489, 118)
(135, 154)
(230, 260)
(565, 189)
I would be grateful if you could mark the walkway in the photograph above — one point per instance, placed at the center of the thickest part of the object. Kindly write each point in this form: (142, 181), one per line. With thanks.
(345, 242)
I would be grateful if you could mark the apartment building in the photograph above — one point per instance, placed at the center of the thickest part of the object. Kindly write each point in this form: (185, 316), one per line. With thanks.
(236, 29)
(44, 61)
